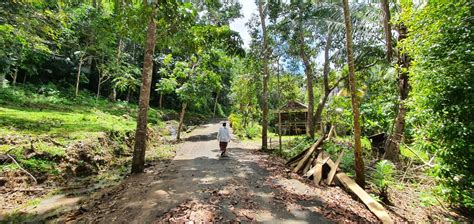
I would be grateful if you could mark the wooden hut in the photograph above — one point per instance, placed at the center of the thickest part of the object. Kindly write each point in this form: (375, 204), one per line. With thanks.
(293, 118)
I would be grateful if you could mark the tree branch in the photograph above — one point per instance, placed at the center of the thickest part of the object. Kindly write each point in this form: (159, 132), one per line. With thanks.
(21, 168)
(368, 66)
(419, 157)
(337, 83)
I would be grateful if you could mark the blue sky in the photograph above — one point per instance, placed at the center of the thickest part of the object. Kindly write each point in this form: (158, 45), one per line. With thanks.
(248, 8)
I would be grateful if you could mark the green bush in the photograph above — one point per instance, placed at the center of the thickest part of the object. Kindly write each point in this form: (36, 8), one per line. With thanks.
(347, 161)
(382, 177)
(293, 147)
(237, 125)
(253, 130)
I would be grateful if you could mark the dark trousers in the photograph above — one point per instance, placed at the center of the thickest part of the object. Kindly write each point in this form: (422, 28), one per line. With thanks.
(223, 146)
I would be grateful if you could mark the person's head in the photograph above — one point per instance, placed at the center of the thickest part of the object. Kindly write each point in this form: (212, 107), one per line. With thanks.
(223, 124)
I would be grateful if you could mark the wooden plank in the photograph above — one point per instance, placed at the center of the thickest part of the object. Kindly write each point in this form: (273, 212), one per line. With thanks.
(334, 169)
(309, 164)
(297, 157)
(309, 173)
(373, 205)
(318, 172)
(351, 186)
(308, 155)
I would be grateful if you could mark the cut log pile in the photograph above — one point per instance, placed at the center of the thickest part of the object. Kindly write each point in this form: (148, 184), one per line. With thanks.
(316, 164)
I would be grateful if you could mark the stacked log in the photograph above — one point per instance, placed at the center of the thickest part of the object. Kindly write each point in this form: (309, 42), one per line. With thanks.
(306, 158)
(310, 164)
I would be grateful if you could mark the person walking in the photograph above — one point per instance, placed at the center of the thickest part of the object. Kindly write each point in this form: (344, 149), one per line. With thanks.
(223, 137)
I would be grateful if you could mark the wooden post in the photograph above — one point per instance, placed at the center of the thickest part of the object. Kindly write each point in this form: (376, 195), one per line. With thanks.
(279, 129)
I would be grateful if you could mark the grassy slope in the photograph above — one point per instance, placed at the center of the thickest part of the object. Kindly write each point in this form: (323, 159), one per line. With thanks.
(32, 113)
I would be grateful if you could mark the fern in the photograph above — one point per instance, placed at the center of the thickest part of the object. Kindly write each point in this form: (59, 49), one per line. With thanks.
(382, 177)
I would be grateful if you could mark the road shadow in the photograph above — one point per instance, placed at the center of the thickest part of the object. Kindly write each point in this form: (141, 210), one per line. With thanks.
(201, 138)
(231, 187)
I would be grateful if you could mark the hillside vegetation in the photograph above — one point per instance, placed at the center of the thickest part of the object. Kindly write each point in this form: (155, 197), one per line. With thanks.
(58, 138)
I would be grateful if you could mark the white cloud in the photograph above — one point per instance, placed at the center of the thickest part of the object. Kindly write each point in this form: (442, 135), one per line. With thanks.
(248, 8)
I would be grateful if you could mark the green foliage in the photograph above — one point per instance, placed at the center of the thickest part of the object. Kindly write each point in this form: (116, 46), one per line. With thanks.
(427, 198)
(245, 90)
(248, 130)
(335, 147)
(238, 127)
(339, 113)
(284, 89)
(442, 100)
(379, 101)
(253, 130)
(382, 176)
(293, 147)
(126, 76)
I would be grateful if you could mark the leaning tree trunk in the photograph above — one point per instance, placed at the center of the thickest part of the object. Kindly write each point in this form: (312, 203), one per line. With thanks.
(392, 147)
(98, 87)
(359, 162)
(138, 161)
(326, 89)
(387, 28)
(181, 120)
(265, 75)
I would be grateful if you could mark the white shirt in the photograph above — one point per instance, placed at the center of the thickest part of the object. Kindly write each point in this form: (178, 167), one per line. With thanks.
(223, 135)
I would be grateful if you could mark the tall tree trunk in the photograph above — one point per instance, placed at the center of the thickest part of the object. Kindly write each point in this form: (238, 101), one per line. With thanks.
(359, 162)
(266, 74)
(387, 28)
(309, 84)
(215, 105)
(319, 111)
(161, 99)
(326, 89)
(2, 80)
(113, 95)
(309, 77)
(181, 119)
(98, 91)
(78, 76)
(392, 149)
(279, 104)
(15, 75)
(128, 95)
(138, 161)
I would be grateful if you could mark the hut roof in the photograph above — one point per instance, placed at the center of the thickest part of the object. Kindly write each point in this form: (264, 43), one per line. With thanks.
(294, 106)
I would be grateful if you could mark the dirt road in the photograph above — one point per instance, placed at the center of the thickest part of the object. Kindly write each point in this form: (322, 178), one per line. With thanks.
(198, 185)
